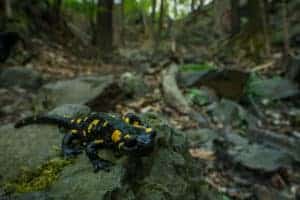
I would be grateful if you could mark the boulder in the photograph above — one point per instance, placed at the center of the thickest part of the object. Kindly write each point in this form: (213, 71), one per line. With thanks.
(20, 76)
(227, 83)
(132, 84)
(167, 173)
(230, 113)
(273, 89)
(75, 91)
(31, 146)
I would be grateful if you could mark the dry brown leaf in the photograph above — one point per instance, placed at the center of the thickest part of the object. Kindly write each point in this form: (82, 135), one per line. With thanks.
(202, 154)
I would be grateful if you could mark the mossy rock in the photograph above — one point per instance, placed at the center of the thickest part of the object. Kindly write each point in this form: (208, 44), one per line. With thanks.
(168, 172)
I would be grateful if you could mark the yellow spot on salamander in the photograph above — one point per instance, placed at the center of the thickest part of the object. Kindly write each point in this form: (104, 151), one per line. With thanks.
(73, 120)
(92, 124)
(127, 136)
(136, 123)
(84, 133)
(95, 122)
(148, 130)
(116, 136)
(78, 120)
(98, 141)
(126, 119)
(105, 123)
(74, 131)
(90, 127)
(86, 118)
(138, 126)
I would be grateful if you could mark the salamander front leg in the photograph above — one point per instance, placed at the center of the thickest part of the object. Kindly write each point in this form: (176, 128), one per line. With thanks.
(98, 163)
(68, 148)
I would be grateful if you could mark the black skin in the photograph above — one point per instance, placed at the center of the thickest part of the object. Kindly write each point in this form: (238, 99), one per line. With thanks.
(126, 135)
(7, 42)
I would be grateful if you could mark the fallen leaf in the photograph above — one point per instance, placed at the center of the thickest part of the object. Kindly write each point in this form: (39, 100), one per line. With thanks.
(202, 154)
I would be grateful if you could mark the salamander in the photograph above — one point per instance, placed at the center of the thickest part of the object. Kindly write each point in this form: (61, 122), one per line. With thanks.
(94, 131)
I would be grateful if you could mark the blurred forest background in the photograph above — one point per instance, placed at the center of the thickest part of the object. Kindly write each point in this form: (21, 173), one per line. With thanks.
(224, 72)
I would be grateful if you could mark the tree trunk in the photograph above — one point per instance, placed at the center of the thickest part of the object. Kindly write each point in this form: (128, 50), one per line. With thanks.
(235, 17)
(8, 9)
(192, 5)
(57, 9)
(2, 15)
(285, 28)
(175, 9)
(222, 16)
(104, 27)
(153, 11)
(161, 18)
(118, 23)
(257, 27)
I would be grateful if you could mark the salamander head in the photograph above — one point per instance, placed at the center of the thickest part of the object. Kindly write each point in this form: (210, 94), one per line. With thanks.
(139, 145)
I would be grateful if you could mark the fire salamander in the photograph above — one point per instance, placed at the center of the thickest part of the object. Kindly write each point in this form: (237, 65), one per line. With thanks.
(100, 130)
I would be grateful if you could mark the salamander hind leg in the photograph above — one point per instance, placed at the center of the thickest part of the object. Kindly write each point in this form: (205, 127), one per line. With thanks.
(98, 163)
(68, 148)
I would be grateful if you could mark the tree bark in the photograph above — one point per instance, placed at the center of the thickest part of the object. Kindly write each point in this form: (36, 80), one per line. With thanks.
(57, 8)
(161, 18)
(153, 11)
(285, 28)
(192, 5)
(104, 26)
(175, 8)
(2, 15)
(235, 17)
(8, 9)
(257, 27)
(118, 23)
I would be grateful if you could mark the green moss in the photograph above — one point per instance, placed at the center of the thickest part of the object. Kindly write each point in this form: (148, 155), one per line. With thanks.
(39, 179)
(197, 67)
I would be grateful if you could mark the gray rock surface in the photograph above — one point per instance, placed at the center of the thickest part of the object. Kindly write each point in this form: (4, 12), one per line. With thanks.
(75, 91)
(132, 84)
(164, 174)
(20, 76)
(30, 146)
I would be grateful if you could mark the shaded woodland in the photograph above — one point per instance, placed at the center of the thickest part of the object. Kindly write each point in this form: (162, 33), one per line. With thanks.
(219, 81)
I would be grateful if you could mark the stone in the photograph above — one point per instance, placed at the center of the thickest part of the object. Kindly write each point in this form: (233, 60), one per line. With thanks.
(166, 173)
(273, 89)
(20, 76)
(133, 84)
(75, 91)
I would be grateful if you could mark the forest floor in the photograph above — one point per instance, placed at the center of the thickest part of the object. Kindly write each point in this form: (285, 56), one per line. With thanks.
(247, 149)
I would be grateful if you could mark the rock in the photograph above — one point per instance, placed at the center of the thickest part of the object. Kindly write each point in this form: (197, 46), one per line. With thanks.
(78, 182)
(260, 158)
(230, 113)
(226, 83)
(188, 79)
(172, 94)
(132, 84)
(167, 173)
(201, 97)
(72, 110)
(201, 137)
(27, 147)
(253, 156)
(273, 89)
(32, 145)
(20, 76)
(76, 91)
